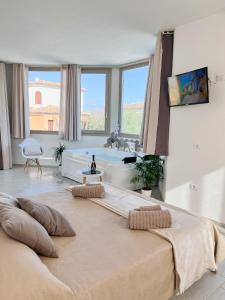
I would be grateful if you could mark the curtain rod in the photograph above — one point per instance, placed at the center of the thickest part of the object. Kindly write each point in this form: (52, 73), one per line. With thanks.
(41, 66)
(168, 32)
(145, 60)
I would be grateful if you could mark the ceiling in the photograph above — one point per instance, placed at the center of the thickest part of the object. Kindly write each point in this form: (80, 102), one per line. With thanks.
(91, 32)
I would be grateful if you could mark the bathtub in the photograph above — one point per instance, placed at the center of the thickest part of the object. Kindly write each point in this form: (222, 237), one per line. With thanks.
(107, 160)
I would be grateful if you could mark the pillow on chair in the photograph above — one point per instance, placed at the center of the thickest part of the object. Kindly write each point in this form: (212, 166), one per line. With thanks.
(32, 150)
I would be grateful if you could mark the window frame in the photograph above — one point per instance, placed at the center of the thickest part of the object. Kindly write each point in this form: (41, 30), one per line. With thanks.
(44, 69)
(121, 70)
(108, 73)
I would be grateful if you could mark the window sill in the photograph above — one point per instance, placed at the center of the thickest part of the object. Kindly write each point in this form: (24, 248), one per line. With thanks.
(94, 133)
(129, 136)
(83, 133)
(44, 132)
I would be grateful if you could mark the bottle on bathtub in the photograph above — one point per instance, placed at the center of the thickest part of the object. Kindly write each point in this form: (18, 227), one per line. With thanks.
(93, 165)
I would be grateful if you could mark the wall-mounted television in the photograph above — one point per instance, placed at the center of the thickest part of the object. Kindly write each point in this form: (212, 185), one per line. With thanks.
(189, 88)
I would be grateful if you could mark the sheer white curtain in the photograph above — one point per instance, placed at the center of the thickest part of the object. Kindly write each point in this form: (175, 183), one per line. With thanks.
(20, 102)
(5, 139)
(144, 129)
(70, 103)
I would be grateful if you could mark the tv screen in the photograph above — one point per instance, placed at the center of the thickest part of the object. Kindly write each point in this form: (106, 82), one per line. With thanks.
(189, 88)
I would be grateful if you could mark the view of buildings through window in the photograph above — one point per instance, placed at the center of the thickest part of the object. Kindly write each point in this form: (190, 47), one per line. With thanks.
(44, 99)
(133, 89)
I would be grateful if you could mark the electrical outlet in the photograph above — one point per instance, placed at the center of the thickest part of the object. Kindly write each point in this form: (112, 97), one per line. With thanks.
(196, 147)
(193, 187)
(219, 78)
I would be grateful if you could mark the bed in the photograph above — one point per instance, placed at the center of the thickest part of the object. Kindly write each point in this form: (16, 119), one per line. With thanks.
(105, 261)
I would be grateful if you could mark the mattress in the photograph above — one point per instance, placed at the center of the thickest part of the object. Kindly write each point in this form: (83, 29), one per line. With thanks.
(106, 260)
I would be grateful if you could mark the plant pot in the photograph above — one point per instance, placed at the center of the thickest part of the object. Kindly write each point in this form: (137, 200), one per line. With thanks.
(146, 192)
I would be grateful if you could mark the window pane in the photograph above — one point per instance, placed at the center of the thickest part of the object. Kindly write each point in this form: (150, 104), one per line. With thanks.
(93, 92)
(134, 83)
(44, 100)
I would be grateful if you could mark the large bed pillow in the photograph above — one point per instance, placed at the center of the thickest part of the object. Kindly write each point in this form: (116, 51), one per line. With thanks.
(52, 220)
(25, 277)
(22, 227)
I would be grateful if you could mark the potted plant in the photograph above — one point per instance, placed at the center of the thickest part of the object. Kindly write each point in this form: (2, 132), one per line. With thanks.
(149, 170)
(58, 153)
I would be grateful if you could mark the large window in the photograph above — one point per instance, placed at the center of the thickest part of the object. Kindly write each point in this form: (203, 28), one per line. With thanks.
(44, 99)
(95, 94)
(133, 82)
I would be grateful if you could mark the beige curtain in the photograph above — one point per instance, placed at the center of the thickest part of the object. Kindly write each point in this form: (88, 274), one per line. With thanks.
(157, 110)
(5, 139)
(152, 100)
(70, 103)
(20, 102)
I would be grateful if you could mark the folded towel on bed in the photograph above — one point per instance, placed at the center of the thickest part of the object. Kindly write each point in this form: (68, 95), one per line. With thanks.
(148, 208)
(144, 220)
(88, 191)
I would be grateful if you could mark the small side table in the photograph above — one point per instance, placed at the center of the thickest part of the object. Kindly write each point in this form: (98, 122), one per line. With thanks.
(86, 174)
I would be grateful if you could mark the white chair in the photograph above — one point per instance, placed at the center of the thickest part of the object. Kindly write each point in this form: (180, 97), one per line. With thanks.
(32, 150)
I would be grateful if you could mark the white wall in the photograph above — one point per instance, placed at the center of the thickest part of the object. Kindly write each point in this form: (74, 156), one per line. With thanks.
(196, 162)
(51, 141)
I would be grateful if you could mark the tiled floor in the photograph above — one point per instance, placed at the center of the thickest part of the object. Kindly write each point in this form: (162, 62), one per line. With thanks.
(210, 287)
(20, 183)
